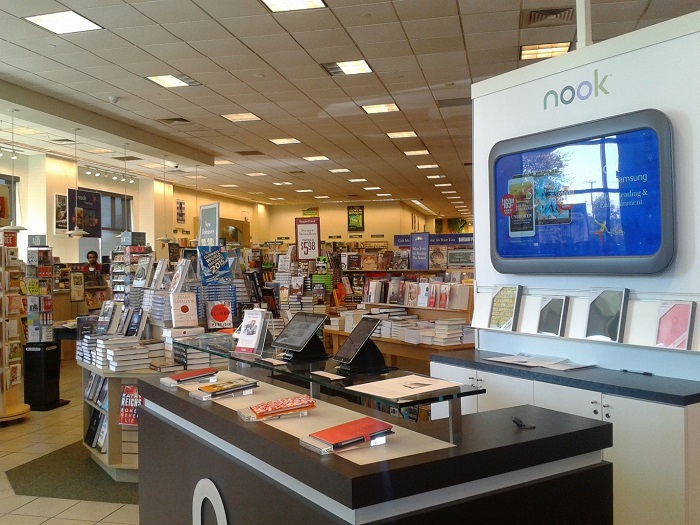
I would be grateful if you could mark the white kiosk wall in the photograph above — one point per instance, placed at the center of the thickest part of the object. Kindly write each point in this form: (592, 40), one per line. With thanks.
(655, 67)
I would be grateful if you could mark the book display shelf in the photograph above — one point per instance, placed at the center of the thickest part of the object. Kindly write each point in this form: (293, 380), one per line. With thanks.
(117, 454)
(12, 333)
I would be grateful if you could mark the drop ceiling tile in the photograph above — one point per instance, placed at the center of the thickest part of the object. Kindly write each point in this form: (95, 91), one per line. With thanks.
(445, 75)
(504, 54)
(242, 62)
(303, 72)
(125, 56)
(400, 64)
(547, 35)
(92, 86)
(505, 20)
(198, 30)
(618, 11)
(483, 71)
(323, 38)
(49, 46)
(426, 46)
(16, 30)
(289, 59)
(116, 16)
(252, 26)
(67, 76)
(171, 11)
(94, 40)
(145, 35)
(610, 30)
(309, 20)
(664, 9)
(455, 59)
(416, 9)
(82, 59)
(471, 7)
(547, 4)
(270, 43)
(399, 48)
(493, 40)
(174, 51)
(35, 63)
(432, 27)
(366, 34)
(447, 92)
(218, 48)
(192, 67)
(366, 14)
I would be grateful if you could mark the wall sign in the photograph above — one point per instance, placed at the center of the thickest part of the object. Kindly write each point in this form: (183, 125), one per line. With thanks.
(420, 243)
(356, 218)
(308, 236)
(208, 225)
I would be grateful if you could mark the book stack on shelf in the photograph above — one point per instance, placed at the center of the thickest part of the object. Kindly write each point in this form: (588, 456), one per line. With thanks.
(448, 331)
(124, 353)
(189, 357)
(171, 334)
(39, 283)
(200, 294)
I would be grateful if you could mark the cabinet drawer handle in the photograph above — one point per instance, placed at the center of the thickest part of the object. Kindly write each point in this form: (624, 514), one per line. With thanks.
(471, 378)
(594, 402)
(606, 406)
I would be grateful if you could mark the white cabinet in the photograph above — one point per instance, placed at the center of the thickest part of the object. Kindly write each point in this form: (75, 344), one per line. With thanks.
(654, 455)
(501, 391)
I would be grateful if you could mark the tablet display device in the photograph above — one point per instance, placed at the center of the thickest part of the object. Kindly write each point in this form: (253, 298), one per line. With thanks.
(358, 337)
(299, 331)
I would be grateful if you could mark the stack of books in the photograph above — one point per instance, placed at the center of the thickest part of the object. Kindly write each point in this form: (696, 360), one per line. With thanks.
(160, 309)
(294, 304)
(335, 322)
(136, 296)
(126, 354)
(307, 303)
(448, 331)
(170, 334)
(191, 358)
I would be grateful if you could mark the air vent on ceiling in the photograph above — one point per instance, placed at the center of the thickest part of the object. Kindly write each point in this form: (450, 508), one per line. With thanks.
(249, 153)
(176, 171)
(353, 196)
(454, 102)
(128, 158)
(547, 17)
(173, 121)
(63, 141)
(296, 172)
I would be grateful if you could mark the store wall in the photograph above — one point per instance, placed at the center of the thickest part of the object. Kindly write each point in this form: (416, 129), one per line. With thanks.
(381, 218)
(655, 67)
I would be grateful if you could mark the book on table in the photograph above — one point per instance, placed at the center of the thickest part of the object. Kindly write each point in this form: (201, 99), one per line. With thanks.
(353, 433)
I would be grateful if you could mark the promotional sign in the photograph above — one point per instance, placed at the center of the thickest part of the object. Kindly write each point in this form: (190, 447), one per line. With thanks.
(87, 214)
(208, 225)
(356, 218)
(420, 243)
(308, 236)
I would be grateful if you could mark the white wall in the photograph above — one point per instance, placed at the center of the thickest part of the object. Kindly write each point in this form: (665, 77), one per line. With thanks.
(655, 67)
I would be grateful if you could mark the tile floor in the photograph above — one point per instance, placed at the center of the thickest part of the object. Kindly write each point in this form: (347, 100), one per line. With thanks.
(40, 433)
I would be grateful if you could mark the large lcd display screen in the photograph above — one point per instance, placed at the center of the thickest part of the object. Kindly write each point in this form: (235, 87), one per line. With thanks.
(591, 198)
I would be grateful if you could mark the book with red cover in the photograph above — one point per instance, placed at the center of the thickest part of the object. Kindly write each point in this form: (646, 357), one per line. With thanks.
(286, 405)
(353, 432)
(193, 374)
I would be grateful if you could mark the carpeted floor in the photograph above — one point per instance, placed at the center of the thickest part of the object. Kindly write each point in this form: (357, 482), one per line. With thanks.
(70, 473)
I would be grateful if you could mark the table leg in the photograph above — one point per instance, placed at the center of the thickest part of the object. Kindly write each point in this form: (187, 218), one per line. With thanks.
(455, 420)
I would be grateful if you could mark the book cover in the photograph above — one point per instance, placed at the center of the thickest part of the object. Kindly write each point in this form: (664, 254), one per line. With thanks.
(438, 257)
(105, 317)
(129, 406)
(219, 314)
(370, 261)
(296, 286)
(226, 387)
(355, 432)
(136, 324)
(159, 274)
(444, 295)
(179, 275)
(164, 364)
(676, 320)
(93, 427)
(251, 331)
(423, 294)
(504, 307)
(144, 266)
(354, 261)
(214, 265)
(118, 307)
(607, 312)
(412, 293)
(285, 405)
(101, 443)
(183, 307)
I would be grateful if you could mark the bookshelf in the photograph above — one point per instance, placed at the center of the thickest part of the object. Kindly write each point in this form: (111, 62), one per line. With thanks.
(11, 407)
(120, 460)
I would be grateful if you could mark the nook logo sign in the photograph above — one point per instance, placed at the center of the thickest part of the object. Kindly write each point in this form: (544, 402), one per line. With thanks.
(583, 91)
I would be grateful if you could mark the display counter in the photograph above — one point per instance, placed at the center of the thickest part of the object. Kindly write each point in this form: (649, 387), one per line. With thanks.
(191, 451)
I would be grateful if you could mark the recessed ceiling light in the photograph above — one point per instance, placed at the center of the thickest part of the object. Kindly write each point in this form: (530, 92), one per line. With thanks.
(277, 6)
(370, 188)
(449, 191)
(415, 152)
(240, 117)
(26, 131)
(544, 50)
(195, 177)
(288, 140)
(354, 67)
(315, 158)
(171, 81)
(458, 202)
(380, 108)
(256, 174)
(443, 185)
(426, 166)
(340, 170)
(222, 162)
(383, 194)
(96, 150)
(357, 180)
(282, 183)
(114, 177)
(304, 191)
(453, 197)
(228, 185)
(153, 165)
(321, 197)
(276, 198)
(63, 22)
(401, 134)
(256, 193)
(435, 177)
(462, 206)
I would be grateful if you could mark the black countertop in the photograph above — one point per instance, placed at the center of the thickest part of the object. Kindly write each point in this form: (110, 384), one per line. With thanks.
(491, 445)
(659, 389)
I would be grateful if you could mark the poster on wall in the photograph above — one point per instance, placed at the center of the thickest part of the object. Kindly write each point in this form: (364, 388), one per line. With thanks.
(308, 236)
(4, 205)
(87, 214)
(208, 225)
(420, 243)
(356, 218)
(61, 222)
(180, 211)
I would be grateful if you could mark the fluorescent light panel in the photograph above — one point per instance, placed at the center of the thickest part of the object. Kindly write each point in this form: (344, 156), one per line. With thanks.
(315, 158)
(289, 140)
(321, 197)
(228, 185)
(304, 191)
(195, 177)
(340, 170)
(173, 81)
(371, 188)
(352, 67)
(256, 174)
(282, 183)
(401, 134)
(240, 117)
(357, 180)
(278, 6)
(443, 185)
(383, 194)
(63, 22)
(435, 177)
(380, 108)
(544, 50)
(415, 152)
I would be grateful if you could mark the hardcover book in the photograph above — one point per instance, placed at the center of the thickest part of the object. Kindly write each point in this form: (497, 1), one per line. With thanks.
(183, 306)
(675, 324)
(219, 314)
(159, 274)
(607, 311)
(226, 387)
(353, 433)
(504, 307)
(179, 275)
(251, 331)
(129, 406)
(143, 271)
(277, 407)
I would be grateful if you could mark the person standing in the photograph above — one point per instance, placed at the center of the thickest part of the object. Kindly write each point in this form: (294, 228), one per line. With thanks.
(92, 264)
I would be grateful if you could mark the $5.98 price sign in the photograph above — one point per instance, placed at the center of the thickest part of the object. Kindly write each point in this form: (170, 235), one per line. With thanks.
(308, 235)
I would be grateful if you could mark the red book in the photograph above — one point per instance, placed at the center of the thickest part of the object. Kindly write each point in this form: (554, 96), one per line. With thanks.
(353, 432)
(193, 374)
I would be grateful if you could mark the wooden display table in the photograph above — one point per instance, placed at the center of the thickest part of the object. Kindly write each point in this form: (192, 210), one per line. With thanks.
(407, 356)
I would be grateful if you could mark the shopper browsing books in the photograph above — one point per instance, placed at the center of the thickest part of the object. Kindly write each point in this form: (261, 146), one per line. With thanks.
(92, 264)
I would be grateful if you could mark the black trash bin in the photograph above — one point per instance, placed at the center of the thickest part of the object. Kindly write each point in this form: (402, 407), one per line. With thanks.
(42, 370)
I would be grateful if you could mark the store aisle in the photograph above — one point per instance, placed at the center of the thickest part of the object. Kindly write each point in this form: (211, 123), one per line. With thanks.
(41, 433)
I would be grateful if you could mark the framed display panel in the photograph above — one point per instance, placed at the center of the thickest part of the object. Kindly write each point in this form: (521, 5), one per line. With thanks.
(607, 310)
(676, 320)
(553, 312)
(591, 198)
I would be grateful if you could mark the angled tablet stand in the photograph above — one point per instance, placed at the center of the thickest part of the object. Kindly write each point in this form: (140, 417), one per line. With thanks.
(367, 360)
(313, 349)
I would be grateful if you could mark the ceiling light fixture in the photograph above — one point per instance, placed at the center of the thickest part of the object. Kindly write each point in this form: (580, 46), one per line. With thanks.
(165, 238)
(241, 117)
(289, 140)
(340, 170)
(372, 188)
(380, 108)
(415, 152)
(316, 158)
(256, 174)
(426, 166)
(401, 134)
(173, 81)
(278, 6)
(13, 226)
(77, 230)
(544, 50)
(423, 207)
(351, 67)
(63, 22)
(357, 180)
